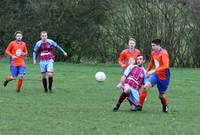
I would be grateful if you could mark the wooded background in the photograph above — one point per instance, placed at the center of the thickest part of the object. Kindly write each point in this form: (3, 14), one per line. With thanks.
(97, 31)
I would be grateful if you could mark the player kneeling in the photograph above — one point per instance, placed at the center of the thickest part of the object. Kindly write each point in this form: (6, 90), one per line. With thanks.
(132, 80)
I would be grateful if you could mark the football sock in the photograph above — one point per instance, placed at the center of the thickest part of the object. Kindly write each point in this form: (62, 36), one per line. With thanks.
(129, 101)
(44, 81)
(19, 85)
(50, 83)
(142, 98)
(163, 101)
(7, 80)
(121, 99)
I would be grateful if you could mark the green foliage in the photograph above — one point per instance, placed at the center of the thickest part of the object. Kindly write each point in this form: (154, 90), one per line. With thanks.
(97, 30)
(81, 106)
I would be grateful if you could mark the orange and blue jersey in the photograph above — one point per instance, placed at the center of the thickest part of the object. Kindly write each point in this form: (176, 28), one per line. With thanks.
(160, 60)
(161, 77)
(12, 50)
(128, 57)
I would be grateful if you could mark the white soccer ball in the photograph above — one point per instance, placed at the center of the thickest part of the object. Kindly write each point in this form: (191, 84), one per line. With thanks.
(100, 76)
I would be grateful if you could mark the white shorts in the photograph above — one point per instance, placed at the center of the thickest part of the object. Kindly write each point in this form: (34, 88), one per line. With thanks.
(46, 66)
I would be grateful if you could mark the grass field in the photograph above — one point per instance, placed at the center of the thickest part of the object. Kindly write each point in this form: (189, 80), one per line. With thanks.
(81, 106)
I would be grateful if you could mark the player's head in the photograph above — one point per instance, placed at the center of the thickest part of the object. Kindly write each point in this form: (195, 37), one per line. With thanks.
(18, 35)
(43, 36)
(140, 60)
(155, 44)
(132, 43)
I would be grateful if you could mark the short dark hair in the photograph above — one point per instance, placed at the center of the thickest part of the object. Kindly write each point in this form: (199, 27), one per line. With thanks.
(144, 58)
(156, 41)
(18, 32)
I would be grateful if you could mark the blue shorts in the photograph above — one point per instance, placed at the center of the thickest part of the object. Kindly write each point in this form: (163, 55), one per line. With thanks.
(162, 85)
(134, 96)
(46, 66)
(17, 70)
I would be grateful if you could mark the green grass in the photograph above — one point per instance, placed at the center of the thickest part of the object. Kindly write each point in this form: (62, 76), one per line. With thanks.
(81, 106)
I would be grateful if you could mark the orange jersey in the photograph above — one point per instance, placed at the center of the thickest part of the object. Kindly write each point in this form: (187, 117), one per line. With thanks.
(15, 49)
(160, 60)
(127, 57)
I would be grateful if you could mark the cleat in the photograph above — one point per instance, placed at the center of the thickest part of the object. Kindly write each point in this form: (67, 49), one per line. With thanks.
(115, 109)
(5, 83)
(18, 91)
(165, 109)
(45, 91)
(133, 110)
(139, 108)
(50, 91)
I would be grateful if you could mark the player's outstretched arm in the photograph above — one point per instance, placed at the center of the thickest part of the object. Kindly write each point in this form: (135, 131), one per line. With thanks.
(35, 50)
(151, 72)
(57, 46)
(60, 48)
(121, 83)
(150, 65)
(65, 54)
(34, 57)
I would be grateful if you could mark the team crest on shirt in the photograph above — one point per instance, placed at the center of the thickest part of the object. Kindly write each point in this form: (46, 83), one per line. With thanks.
(18, 52)
(131, 61)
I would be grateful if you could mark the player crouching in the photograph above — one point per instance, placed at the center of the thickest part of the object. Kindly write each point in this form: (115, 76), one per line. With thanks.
(132, 80)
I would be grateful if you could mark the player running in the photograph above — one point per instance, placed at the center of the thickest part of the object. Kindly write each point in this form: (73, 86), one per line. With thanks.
(132, 80)
(129, 55)
(44, 48)
(160, 75)
(16, 50)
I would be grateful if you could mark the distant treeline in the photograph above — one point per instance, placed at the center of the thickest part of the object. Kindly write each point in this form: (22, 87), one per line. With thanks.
(97, 31)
